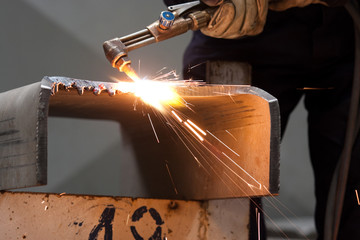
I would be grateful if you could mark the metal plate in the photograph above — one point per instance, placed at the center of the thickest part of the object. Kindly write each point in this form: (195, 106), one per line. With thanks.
(239, 157)
(23, 132)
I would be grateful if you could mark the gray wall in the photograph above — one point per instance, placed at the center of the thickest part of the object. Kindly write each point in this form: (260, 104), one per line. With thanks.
(43, 37)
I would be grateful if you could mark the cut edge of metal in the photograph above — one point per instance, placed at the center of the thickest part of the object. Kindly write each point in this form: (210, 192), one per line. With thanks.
(42, 133)
(52, 84)
(274, 174)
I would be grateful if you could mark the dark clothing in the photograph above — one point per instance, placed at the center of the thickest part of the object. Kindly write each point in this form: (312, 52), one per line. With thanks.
(309, 47)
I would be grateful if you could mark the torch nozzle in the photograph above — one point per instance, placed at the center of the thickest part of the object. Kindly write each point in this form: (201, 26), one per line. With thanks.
(130, 72)
(116, 52)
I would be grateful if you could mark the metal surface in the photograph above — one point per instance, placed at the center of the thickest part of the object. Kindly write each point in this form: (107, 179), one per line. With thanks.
(23, 132)
(244, 118)
(62, 216)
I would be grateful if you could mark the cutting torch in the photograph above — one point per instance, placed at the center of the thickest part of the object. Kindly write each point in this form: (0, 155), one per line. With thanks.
(178, 19)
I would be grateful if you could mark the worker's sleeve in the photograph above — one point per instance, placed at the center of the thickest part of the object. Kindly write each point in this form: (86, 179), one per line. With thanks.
(335, 3)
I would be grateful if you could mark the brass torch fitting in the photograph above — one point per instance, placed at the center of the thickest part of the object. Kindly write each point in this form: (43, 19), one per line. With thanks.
(116, 53)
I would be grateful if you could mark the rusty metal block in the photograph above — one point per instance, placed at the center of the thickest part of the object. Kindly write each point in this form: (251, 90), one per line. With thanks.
(62, 216)
(239, 157)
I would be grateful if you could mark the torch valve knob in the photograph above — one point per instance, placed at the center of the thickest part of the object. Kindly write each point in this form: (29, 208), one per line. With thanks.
(166, 20)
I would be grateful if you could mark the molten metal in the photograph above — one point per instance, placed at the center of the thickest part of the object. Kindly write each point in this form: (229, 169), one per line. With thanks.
(155, 93)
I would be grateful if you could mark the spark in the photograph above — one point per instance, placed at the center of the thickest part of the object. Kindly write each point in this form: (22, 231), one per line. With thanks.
(225, 94)
(258, 223)
(187, 147)
(225, 165)
(127, 219)
(152, 125)
(237, 175)
(231, 135)
(231, 97)
(229, 168)
(160, 93)
(197, 160)
(172, 180)
(265, 214)
(139, 67)
(196, 65)
(135, 104)
(223, 143)
(242, 169)
(153, 92)
(194, 131)
(278, 201)
(177, 116)
(283, 214)
(316, 88)
(197, 128)
(357, 197)
(167, 75)
(160, 71)
(191, 82)
(212, 152)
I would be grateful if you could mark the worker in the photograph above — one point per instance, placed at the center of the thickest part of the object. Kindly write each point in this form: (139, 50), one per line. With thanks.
(296, 48)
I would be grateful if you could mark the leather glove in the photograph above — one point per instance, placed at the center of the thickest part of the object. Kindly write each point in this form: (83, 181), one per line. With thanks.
(236, 18)
(281, 5)
(213, 2)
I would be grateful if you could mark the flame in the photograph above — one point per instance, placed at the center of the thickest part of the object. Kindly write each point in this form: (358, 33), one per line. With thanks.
(158, 94)
(129, 71)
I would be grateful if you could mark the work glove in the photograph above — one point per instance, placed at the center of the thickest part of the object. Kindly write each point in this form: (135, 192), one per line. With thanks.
(236, 18)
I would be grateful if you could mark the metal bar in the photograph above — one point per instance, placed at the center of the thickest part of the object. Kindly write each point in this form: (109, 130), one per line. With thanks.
(134, 35)
(235, 160)
(141, 44)
(135, 40)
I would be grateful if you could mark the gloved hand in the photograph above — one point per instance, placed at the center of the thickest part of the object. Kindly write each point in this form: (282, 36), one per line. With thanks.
(281, 5)
(213, 2)
(236, 18)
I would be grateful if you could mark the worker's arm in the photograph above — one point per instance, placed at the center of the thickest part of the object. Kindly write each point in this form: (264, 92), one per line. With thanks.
(238, 18)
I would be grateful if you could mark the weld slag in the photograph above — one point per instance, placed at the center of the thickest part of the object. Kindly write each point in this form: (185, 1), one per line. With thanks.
(81, 85)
